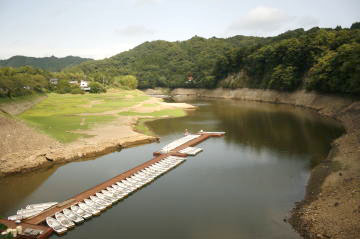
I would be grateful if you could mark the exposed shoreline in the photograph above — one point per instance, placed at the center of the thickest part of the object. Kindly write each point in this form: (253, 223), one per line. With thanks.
(37, 150)
(331, 207)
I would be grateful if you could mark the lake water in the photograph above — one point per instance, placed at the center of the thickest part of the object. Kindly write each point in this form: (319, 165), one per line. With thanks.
(241, 186)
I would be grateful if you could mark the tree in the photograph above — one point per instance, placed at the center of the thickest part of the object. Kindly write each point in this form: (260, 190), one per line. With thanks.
(126, 82)
(284, 78)
(355, 25)
(96, 87)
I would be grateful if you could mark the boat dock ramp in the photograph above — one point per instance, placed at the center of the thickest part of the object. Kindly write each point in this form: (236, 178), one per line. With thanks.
(91, 202)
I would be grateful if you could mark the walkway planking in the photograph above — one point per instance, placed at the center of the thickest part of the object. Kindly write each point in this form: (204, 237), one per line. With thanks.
(86, 194)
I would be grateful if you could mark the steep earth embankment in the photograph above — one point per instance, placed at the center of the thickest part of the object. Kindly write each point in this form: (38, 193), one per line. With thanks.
(331, 208)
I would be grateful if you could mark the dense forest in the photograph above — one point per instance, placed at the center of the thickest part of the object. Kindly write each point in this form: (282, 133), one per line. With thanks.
(27, 80)
(325, 60)
(168, 64)
(319, 59)
(46, 63)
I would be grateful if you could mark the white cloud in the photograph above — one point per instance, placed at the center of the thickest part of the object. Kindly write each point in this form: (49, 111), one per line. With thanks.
(265, 21)
(134, 31)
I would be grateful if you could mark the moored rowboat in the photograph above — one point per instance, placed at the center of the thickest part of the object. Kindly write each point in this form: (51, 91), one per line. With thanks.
(55, 225)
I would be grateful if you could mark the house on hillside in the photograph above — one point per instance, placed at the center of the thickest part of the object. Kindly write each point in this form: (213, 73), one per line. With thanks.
(54, 81)
(84, 85)
(73, 82)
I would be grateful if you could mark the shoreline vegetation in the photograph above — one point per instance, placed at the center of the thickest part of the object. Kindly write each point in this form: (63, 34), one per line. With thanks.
(66, 127)
(331, 206)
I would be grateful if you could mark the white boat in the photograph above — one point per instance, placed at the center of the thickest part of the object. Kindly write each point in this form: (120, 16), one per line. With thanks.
(64, 220)
(106, 198)
(44, 206)
(133, 182)
(88, 209)
(137, 179)
(109, 194)
(55, 225)
(72, 216)
(29, 211)
(129, 185)
(100, 201)
(24, 215)
(95, 205)
(15, 218)
(125, 187)
(78, 211)
(120, 189)
(118, 194)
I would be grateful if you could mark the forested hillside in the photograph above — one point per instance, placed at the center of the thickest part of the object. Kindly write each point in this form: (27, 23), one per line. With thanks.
(45, 63)
(168, 64)
(325, 60)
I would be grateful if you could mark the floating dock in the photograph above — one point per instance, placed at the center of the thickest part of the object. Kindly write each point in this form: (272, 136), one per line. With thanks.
(177, 150)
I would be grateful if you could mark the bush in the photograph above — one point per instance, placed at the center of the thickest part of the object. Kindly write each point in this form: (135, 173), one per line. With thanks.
(76, 90)
(128, 82)
(96, 87)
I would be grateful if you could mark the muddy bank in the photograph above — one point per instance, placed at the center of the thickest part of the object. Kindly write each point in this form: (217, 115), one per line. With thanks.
(331, 207)
(17, 107)
(24, 156)
(24, 149)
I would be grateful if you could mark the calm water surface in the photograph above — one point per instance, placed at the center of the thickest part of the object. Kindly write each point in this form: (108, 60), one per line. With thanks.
(241, 186)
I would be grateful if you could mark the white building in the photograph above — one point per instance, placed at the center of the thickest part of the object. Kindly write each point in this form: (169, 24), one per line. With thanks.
(84, 84)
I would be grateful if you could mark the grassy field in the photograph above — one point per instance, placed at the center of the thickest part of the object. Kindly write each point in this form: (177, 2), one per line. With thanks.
(59, 113)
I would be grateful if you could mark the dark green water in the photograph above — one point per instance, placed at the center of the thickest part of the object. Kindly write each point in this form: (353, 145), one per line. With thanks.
(241, 186)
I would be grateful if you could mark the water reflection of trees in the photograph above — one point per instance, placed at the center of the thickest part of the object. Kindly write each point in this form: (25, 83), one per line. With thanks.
(276, 127)
(282, 129)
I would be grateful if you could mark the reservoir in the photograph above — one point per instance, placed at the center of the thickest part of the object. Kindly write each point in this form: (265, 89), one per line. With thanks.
(241, 186)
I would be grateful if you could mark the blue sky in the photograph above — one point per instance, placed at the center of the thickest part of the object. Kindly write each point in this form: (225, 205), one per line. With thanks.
(102, 28)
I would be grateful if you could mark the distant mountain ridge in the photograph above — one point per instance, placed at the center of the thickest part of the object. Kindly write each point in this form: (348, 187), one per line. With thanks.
(46, 63)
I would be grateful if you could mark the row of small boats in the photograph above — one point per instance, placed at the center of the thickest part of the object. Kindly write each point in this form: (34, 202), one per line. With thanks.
(100, 201)
(167, 148)
(31, 210)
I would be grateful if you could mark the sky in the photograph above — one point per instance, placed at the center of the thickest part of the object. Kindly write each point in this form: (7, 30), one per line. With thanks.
(102, 28)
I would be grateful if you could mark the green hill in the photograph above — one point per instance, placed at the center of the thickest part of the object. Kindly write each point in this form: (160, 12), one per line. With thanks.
(320, 59)
(168, 64)
(46, 63)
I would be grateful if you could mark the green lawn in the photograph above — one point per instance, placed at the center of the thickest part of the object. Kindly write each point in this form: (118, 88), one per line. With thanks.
(57, 115)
